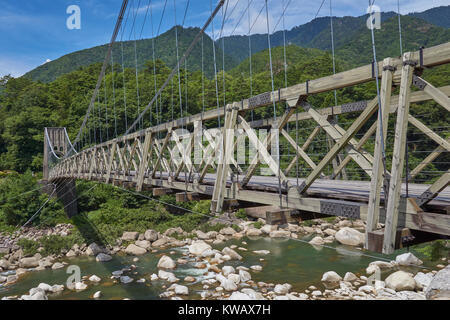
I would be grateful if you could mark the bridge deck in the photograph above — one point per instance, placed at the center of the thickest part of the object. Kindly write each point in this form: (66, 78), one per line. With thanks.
(337, 189)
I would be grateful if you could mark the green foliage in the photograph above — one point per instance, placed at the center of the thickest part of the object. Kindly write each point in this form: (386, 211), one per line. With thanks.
(434, 250)
(21, 198)
(258, 224)
(240, 214)
(29, 247)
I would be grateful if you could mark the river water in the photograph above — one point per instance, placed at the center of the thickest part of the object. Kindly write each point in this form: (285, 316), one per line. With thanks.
(290, 261)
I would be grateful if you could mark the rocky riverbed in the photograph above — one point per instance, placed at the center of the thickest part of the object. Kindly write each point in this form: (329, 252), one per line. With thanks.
(243, 262)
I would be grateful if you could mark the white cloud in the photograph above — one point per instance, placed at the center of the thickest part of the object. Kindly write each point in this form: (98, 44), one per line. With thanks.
(47, 61)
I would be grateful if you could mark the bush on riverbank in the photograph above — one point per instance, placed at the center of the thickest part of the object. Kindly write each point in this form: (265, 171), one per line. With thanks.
(21, 198)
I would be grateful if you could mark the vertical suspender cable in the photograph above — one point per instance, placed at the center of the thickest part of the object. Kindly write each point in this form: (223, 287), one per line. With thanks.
(250, 55)
(274, 104)
(334, 61)
(114, 95)
(399, 27)
(215, 68)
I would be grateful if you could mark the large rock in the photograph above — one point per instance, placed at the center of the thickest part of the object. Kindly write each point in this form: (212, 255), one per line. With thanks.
(143, 244)
(244, 275)
(30, 262)
(282, 289)
(253, 232)
(279, 234)
(226, 270)
(160, 242)
(239, 296)
(134, 250)
(350, 236)
(423, 280)
(93, 249)
(228, 231)
(350, 277)
(103, 257)
(233, 254)
(182, 290)
(408, 259)
(151, 235)
(197, 247)
(317, 241)
(4, 264)
(130, 236)
(166, 263)
(400, 281)
(331, 276)
(439, 287)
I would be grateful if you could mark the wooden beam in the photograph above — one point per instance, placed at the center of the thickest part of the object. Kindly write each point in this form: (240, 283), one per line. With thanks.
(354, 128)
(430, 133)
(376, 182)
(438, 96)
(225, 158)
(398, 157)
(144, 163)
(434, 189)
(433, 155)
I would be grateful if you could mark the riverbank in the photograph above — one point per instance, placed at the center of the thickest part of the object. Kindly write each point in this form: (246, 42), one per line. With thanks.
(219, 264)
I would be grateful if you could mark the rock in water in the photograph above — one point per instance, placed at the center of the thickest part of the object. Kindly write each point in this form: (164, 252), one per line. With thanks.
(97, 295)
(30, 262)
(282, 289)
(317, 241)
(103, 257)
(407, 259)
(349, 276)
(439, 287)
(166, 263)
(244, 275)
(233, 254)
(331, 276)
(226, 270)
(400, 281)
(94, 278)
(239, 296)
(423, 280)
(126, 279)
(197, 247)
(183, 290)
(80, 286)
(134, 250)
(350, 236)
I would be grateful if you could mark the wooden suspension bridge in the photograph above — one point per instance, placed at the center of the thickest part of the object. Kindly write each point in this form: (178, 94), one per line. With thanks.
(150, 159)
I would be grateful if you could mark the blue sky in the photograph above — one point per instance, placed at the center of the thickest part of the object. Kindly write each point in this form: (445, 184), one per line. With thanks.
(34, 31)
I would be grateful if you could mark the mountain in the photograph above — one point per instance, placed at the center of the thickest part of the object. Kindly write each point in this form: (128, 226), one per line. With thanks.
(425, 28)
(165, 49)
(439, 16)
(346, 30)
(416, 33)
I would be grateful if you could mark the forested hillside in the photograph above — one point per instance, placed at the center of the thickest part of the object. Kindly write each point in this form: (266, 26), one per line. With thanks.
(428, 28)
(165, 50)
